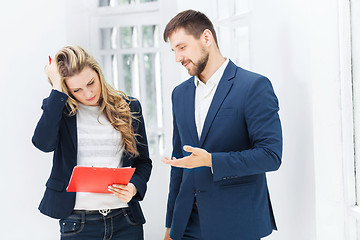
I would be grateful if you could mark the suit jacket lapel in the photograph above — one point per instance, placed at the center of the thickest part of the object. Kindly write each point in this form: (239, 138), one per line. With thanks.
(221, 92)
(189, 110)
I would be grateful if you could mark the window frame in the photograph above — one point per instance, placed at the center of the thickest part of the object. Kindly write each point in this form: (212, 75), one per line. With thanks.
(230, 24)
(138, 14)
(350, 96)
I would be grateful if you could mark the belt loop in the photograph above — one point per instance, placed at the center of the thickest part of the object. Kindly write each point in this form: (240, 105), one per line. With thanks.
(124, 211)
(82, 216)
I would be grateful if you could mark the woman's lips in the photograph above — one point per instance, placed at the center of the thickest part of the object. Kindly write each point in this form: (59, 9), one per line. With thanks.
(91, 99)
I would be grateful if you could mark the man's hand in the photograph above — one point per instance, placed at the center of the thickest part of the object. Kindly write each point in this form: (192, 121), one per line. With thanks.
(167, 234)
(123, 192)
(199, 158)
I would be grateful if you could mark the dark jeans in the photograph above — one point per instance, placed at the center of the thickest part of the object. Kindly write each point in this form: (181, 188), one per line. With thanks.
(118, 224)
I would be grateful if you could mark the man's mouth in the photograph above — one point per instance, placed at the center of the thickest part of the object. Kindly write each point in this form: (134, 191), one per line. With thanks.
(186, 64)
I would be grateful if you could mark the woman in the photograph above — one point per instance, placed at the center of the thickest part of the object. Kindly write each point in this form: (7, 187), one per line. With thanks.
(88, 123)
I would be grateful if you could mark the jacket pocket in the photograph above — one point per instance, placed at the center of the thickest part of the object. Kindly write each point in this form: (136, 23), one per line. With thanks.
(55, 184)
(238, 181)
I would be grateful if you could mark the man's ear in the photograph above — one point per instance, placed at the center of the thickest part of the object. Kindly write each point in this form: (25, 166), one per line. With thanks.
(207, 37)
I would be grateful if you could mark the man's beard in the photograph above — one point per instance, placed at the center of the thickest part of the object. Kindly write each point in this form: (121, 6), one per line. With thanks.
(201, 64)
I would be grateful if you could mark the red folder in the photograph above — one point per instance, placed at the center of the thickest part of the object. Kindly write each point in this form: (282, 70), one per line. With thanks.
(97, 179)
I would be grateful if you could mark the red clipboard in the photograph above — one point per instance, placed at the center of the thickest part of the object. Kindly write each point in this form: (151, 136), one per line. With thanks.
(97, 179)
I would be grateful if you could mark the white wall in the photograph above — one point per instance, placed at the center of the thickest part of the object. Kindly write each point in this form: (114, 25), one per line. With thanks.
(280, 45)
(30, 31)
(297, 44)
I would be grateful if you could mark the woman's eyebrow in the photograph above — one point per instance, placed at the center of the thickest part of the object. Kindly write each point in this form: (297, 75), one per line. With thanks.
(90, 80)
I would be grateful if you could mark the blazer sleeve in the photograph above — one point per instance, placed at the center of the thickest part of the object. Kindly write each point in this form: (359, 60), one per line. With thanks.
(264, 132)
(175, 174)
(142, 162)
(46, 135)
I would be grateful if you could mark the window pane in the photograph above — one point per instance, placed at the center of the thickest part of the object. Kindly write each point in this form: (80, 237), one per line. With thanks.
(152, 144)
(145, 1)
(131, 75)
(108, 38)
(241, 6)
(224, 38)
(109, 69)
(104, 3)
(242, 54)
(112, 3)
(125, 2)
(115, 71)
(149, 64)
(128, 37)
(154, 109)
(150, 36)
(225, 8)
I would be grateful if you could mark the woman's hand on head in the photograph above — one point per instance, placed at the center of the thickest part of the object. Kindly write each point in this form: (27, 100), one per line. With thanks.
(123, 192)
(54, 78)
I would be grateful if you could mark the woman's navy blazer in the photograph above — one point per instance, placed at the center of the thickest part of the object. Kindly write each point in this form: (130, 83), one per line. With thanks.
(57, 132)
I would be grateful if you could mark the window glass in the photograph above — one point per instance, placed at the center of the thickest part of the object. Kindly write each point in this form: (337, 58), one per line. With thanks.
(108, 38)
(145, 1)
(125, 2)
(128, 37)
(149, 65)
(242, 49)
(150, 35)
(241, 6)
(225, 8)
(113, 3)
(131, 75)
(104, 3)
(107, 67)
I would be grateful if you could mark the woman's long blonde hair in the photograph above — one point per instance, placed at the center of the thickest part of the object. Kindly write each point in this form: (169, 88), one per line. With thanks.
(71, 60)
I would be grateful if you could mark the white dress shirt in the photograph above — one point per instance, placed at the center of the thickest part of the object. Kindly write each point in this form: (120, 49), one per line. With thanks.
(204, 93)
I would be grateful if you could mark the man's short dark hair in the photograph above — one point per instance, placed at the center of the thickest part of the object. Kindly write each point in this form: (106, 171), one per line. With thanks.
(193, 22)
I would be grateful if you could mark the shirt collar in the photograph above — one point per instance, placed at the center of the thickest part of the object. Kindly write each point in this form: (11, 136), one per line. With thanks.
(215, 78)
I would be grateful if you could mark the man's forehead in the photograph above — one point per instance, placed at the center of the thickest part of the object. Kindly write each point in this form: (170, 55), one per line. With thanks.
(179, 36)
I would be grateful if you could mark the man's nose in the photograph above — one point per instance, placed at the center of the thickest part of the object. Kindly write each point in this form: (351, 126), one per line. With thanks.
(178, 57)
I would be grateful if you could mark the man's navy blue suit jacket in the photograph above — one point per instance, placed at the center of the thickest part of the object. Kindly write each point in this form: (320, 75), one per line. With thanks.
(242, 131)
(56, 132)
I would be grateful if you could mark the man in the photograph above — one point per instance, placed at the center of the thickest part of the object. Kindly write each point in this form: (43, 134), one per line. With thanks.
(226, 136)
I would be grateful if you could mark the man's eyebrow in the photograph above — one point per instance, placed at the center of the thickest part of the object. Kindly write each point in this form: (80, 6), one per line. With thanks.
(177, 45)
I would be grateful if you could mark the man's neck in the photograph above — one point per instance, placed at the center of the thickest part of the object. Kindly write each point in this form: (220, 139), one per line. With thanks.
(213, 64)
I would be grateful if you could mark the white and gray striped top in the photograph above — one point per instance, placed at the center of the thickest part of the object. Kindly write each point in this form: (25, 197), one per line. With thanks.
(98, 146)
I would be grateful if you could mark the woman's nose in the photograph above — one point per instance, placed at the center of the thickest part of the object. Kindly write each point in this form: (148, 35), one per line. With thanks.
(88, 93)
